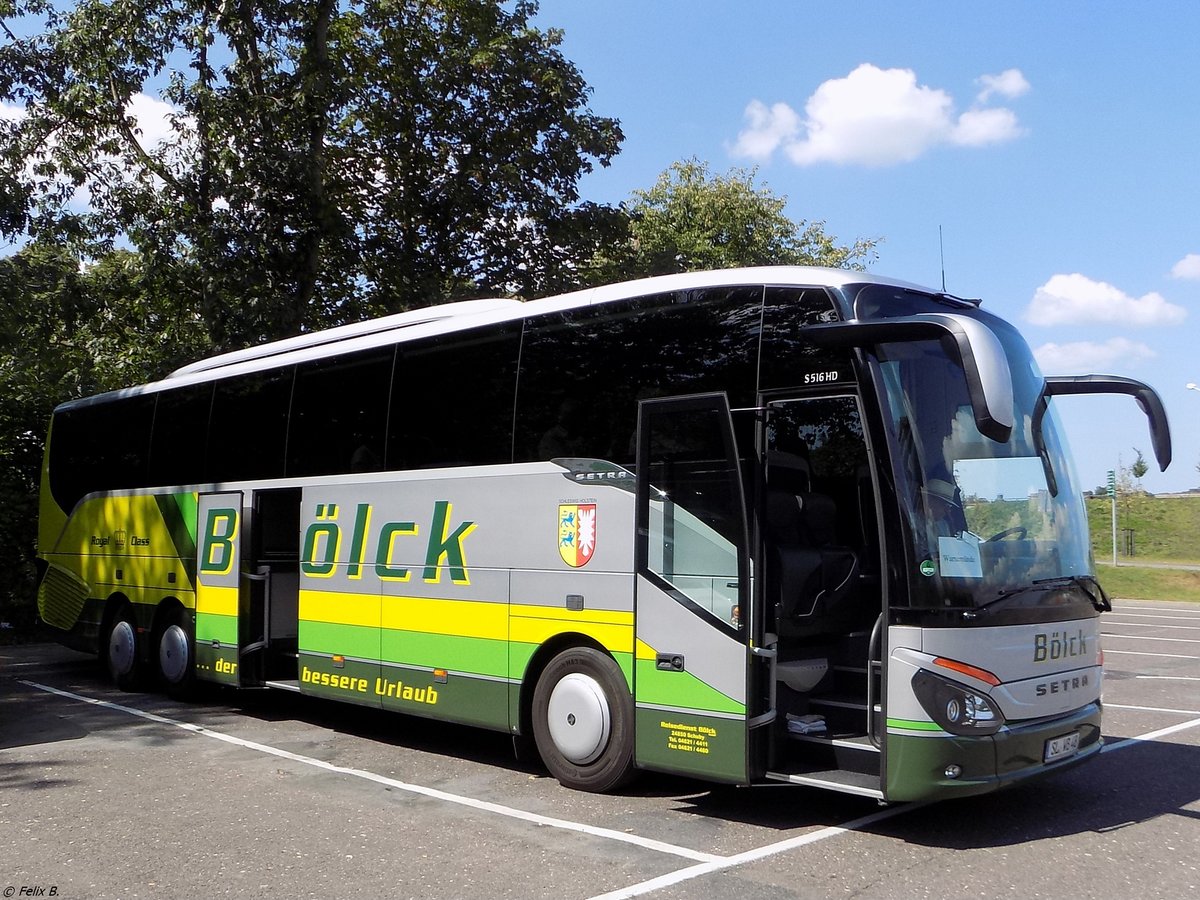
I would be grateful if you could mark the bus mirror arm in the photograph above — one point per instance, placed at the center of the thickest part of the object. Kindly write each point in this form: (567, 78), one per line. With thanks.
(989, 382)
(1147, 399)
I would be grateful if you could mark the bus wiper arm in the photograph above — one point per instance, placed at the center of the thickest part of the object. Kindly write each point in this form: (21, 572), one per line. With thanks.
(1083, 582)
(1101, 602)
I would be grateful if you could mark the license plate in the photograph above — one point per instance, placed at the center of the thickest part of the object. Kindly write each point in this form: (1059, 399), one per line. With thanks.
(1064, 745)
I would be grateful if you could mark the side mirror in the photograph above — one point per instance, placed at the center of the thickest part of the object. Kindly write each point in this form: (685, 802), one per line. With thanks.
(989, 381)
(1148, 400)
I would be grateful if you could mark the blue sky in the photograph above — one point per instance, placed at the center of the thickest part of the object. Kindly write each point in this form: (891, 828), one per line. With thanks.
(1056, 145)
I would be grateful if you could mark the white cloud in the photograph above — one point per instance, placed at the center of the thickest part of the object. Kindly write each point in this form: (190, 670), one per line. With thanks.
(152, 116)
(1084, 357)
(768, 127)
(875, 117)
(980, 127)
(1188, 267)
(1073, 299)
(11, 113)
(1009, 84)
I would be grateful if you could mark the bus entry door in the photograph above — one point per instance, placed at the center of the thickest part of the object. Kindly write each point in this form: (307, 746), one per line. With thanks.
(693, 574)
(218, 586)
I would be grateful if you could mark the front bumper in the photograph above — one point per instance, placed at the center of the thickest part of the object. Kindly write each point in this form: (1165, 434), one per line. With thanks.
(916, 765)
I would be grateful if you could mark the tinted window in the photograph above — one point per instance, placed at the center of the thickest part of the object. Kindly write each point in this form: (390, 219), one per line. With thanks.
(249, 427)
(100, 447)
(452, 399)
(180, 435)
(583, 370)
(339, 414)
(788, 360)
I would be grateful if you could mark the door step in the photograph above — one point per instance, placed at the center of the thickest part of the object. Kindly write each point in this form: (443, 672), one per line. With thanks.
(834, 780)
(840, 704)
(292, 685)
(849, 742)
(852, 753)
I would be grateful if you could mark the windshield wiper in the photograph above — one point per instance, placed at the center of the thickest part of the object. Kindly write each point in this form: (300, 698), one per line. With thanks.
(1083, 582)
(1101, 603)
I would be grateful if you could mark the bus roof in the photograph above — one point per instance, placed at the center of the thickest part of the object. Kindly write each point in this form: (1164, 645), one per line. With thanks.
(450, 317)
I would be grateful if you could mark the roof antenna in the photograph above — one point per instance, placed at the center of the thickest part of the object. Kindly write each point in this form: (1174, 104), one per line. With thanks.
(942, 253)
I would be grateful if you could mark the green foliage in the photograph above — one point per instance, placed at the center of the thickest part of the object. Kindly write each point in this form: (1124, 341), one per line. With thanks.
(67, 331)
(1141, 583)
(692, 219)
(322, 161)
(1165, 528)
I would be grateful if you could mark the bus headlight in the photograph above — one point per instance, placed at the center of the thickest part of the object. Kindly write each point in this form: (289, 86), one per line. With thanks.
(955, 707)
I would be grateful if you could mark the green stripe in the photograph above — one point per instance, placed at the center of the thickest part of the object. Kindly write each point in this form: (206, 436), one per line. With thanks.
(681, 690)
(214, 627)
(179, 515)
(479, 656)
(913, 725)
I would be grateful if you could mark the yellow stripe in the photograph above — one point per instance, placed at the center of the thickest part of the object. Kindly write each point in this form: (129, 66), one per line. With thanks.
(600, 616)
(645, 651)
(340, 608)
(468, 618)
(462, 618)
(221, 601)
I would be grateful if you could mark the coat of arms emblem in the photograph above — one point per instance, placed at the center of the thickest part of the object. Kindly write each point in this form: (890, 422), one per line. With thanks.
(576, 533)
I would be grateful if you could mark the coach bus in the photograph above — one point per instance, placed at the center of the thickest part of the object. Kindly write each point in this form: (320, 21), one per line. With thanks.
(759, 525)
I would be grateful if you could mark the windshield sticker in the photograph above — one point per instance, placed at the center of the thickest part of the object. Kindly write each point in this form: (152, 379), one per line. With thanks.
(928, 568)
(960, 556)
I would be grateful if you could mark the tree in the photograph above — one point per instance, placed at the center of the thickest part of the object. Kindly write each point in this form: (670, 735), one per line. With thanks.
(691, 219)
(66, 331)
(1138, 468)
(321, 161)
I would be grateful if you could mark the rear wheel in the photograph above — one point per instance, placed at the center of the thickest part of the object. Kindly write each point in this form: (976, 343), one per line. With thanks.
(176, 669)
(122, 657)
(583, 721)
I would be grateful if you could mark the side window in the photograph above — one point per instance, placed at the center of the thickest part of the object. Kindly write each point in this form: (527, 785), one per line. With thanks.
(452, 399)
(248, 433)
(787, 359)
(180, 435)
(583, 371)
(100, 447)
(339, 414)
(691, 514)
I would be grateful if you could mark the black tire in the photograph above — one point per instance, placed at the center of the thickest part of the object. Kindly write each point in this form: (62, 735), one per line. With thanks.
(175, 656)
(121, 651)
(583, 721)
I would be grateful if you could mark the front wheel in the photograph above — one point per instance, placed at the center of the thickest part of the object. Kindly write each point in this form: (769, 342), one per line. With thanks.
(583, 721)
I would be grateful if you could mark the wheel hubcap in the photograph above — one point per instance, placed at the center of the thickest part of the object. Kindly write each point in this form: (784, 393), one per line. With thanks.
(579, 718)
(121, 648)
(173, 654)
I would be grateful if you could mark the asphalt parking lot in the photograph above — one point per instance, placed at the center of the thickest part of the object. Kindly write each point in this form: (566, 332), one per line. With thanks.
(105, 794)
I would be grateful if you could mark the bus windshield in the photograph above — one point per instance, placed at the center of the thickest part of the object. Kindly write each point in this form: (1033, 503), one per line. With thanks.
(986, 519)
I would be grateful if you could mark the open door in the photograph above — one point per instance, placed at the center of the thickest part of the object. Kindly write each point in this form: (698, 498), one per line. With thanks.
(693, 592)
(218, 587)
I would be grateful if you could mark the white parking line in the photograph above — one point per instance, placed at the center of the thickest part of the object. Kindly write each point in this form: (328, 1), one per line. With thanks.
(1153, 735)
(1111, 616)
(1159, 709)
(708, 862)
(1135, 637)
(510, 812)
(1169, 677)
(1108, 652)
(1151, 625)
(673, 878)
